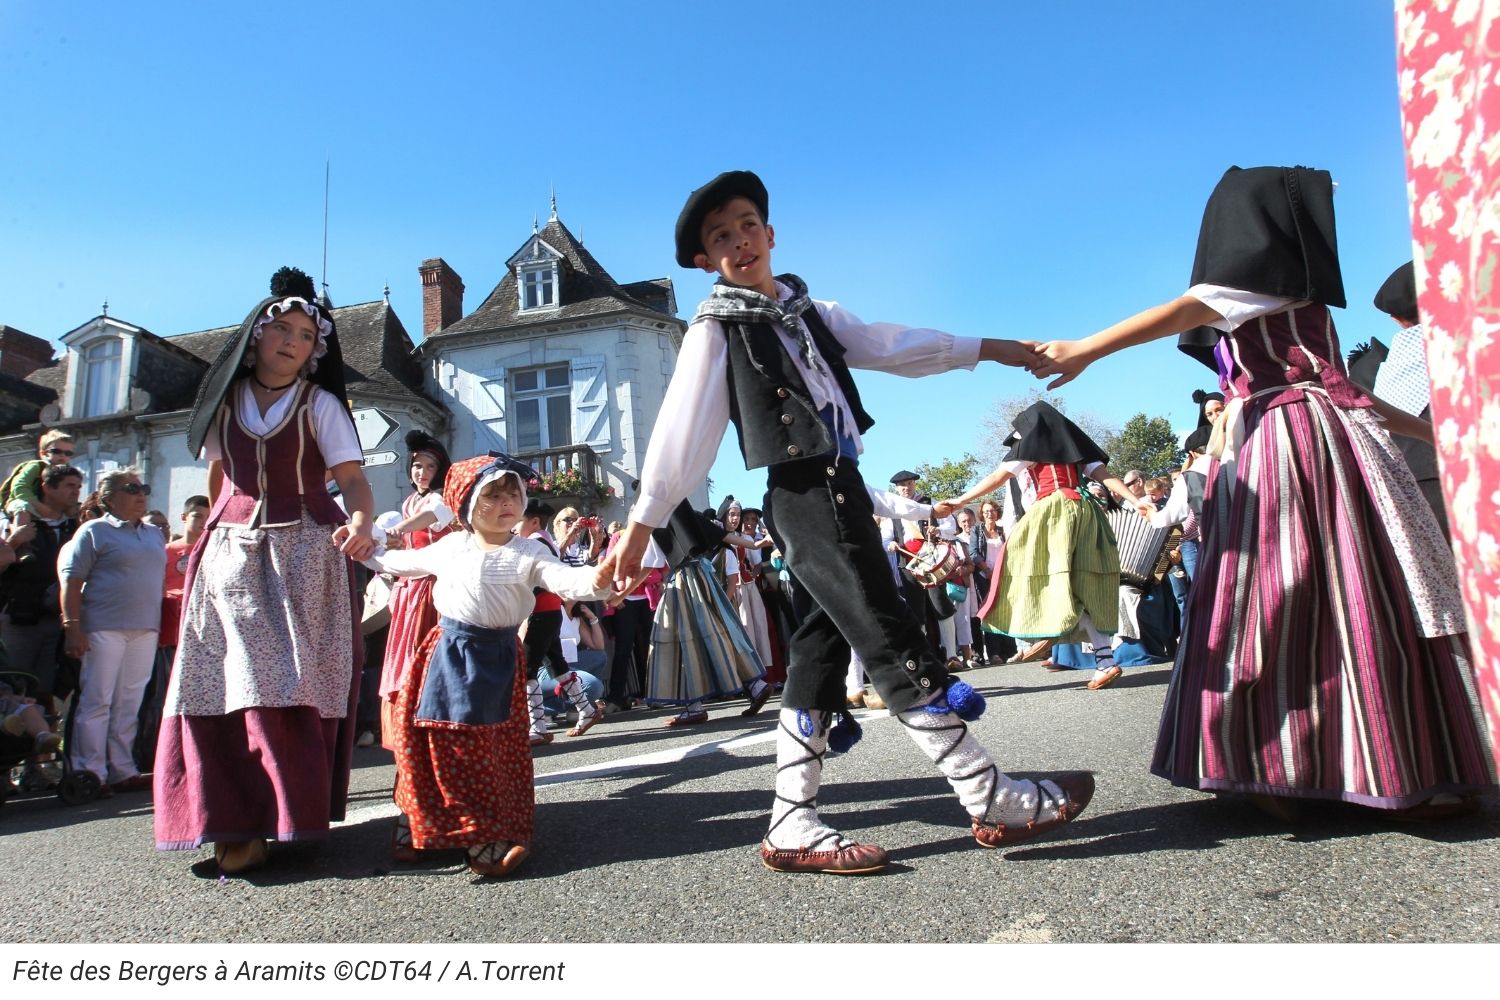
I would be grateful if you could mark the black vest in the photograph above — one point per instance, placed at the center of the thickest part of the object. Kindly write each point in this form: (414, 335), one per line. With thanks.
(770, 405)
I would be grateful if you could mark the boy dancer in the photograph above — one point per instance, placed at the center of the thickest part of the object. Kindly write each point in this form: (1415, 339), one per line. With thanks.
(762, 354)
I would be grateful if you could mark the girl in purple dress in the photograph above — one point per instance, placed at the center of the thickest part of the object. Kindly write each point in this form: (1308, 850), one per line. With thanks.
(1325, 654)
(258, 728)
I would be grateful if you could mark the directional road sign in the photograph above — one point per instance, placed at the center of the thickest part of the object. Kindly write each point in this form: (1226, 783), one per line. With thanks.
(374, 427)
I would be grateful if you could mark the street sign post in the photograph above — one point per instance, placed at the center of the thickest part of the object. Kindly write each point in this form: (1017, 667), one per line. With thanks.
(381, 458)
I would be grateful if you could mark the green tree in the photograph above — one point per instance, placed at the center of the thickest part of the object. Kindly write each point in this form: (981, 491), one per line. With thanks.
(948, 478)
(1145, 443)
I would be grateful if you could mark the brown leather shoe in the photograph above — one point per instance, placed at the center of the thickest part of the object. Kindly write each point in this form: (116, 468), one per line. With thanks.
(1077, 788)
(856, 859)
(1103, 680)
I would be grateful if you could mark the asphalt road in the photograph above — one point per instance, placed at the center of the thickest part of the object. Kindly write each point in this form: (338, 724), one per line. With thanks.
(648, 834)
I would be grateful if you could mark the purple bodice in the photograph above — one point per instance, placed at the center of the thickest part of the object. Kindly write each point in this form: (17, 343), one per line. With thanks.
(269, 479)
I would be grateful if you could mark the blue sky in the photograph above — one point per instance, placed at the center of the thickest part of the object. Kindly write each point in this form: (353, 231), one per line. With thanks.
(1035, 172)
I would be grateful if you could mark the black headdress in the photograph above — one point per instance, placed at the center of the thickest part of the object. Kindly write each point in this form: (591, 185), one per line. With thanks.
(1364, 363)
(1201, 398)
(1048, 437)
(687, 535)
(420, 440)
(289, 287)
(724, 505)
(1268, 230)
(1398, 296)
(1198, 440)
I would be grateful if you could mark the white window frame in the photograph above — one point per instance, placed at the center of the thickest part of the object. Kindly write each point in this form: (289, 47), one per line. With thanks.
(542, 394)
(538, 287)
(101, 375)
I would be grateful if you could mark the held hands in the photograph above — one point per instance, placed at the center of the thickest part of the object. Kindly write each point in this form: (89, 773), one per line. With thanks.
(1145, 508)
(1065, 358)
(354, 542)
(944, 508)
(621, 569)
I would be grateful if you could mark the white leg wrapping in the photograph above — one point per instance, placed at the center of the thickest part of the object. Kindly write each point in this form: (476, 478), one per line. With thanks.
(799, 772)
(572, 689)
(538, 714)
(854, 683)
(985, 791)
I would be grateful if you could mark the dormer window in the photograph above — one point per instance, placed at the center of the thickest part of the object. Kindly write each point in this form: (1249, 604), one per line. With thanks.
(538, 286)
(101, 378)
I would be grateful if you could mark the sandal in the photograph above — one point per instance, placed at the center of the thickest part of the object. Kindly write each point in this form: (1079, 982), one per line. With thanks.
(584, 725)
(1105, 676)
(496, 859)
(402, 851)
(688, 718)
(540, 739)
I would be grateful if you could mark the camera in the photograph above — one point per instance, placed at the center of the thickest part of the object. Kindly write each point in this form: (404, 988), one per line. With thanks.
(588, 522)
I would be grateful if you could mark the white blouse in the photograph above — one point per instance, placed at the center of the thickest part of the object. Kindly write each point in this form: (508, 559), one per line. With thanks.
(332, 427)
(492, 588)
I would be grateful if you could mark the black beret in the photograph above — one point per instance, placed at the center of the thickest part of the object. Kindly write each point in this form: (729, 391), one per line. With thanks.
(730, 184)
(1398, 296)
(904, 476)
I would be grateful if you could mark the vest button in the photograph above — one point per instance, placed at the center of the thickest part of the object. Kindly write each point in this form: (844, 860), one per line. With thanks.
(781, 394)
(831, 471)
(911, 665)
(786, 418)
(793, 450)
(926, 682)
(838, 498)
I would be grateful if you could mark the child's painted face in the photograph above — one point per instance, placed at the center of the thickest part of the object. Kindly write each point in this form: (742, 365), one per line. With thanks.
(737, 244)
(423, 469)
(286, 344)
(498, 507)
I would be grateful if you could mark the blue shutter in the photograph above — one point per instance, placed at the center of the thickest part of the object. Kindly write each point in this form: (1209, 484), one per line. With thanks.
(488, 407)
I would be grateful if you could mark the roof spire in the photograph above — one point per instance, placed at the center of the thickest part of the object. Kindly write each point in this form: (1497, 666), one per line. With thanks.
(553, 191)
(534, 229)
(387, 293)
(105, 307)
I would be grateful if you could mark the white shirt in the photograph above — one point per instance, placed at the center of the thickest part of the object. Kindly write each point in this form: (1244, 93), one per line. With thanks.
(492, 588)
(432, 503)
(1238, 306)
(332, 427)
(695, 412)
(894, 507)
(1402, 377)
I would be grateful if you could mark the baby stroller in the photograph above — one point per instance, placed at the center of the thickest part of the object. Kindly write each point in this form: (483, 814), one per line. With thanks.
(18, 749)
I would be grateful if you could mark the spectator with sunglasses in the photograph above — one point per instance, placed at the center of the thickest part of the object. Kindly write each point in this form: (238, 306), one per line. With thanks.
(24, 486)
(112, 578)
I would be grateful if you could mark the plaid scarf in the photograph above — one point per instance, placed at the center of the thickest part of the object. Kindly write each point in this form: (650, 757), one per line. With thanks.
(733, 304)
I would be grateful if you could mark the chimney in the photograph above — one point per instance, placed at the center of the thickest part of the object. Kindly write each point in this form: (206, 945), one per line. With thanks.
(442, 295)
(21, 353)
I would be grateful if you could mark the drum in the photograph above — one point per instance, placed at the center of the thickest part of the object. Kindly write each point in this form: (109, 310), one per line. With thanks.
(933, 563)
(377, 614)
(1140, 544)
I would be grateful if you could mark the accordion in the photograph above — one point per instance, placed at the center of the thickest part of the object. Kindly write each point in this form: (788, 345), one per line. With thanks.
(1140, 544)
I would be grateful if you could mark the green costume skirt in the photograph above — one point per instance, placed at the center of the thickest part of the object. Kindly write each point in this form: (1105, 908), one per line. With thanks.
(1060, 562)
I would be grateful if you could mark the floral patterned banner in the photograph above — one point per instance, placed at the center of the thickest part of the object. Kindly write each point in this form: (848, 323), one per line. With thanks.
(1449, 79)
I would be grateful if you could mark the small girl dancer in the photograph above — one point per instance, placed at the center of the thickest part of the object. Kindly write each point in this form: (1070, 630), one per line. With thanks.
(1060, 569)
(463, 761)
(1325, 653)
(424, 520)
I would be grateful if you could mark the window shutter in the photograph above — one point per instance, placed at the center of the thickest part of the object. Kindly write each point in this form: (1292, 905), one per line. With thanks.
(590, 402)
(489, 410)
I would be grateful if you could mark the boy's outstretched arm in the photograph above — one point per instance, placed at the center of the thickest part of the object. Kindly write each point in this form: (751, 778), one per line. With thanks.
(1068, 358)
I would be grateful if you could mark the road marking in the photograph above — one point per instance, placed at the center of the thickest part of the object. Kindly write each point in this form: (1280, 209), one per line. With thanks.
(612, 768)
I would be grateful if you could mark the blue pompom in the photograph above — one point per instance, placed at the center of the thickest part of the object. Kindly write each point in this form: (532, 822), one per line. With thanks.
(842, 737)
(966, 703)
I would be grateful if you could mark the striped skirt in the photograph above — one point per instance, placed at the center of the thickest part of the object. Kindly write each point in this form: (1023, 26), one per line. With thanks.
(699, 648)
(1060, 562)
(1321, 657)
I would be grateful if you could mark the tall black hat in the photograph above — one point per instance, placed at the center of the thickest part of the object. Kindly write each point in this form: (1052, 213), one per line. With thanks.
(1049, 437)
(1398, 296)
(730, 184)
(1364, 363)
(1268, 230)
(290, 288)
(419, 440)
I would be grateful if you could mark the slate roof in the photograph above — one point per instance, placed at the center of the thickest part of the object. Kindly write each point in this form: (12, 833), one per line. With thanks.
(378, 358)
(586, 290)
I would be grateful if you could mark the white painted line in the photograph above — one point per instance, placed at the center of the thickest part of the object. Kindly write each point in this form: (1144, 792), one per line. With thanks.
(611, 768)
